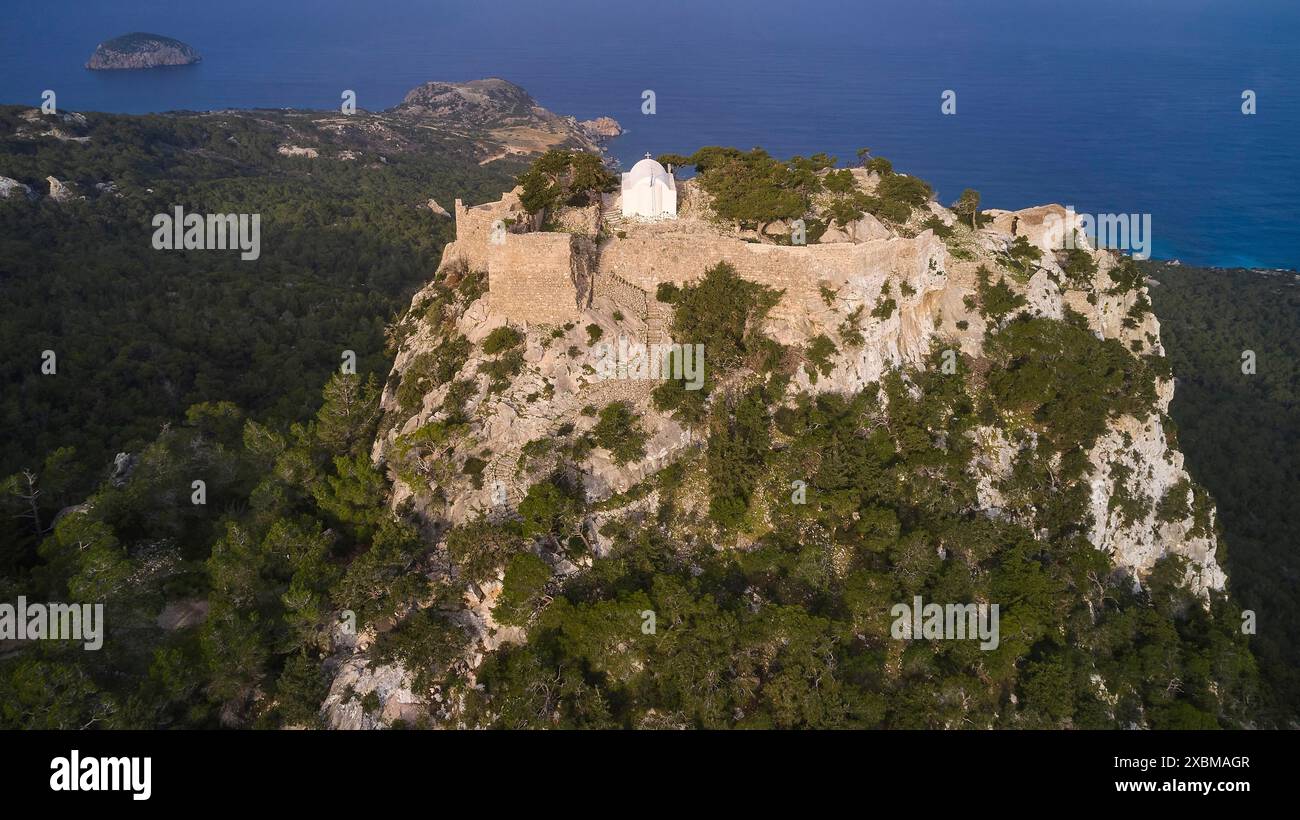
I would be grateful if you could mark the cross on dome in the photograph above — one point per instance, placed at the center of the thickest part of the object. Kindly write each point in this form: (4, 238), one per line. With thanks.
(649, 191)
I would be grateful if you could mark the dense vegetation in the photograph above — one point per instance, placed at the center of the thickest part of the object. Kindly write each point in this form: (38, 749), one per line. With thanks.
(142, 334)
(752, 189)
(1240, 433)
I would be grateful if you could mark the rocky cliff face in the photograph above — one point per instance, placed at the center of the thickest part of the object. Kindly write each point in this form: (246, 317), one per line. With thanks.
(907, 291)
(140, 50)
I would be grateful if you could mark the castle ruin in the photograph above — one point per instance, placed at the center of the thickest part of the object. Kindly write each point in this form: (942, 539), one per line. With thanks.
(551, 277)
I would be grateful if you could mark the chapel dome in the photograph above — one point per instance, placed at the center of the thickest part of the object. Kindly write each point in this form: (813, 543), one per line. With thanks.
(648, 168)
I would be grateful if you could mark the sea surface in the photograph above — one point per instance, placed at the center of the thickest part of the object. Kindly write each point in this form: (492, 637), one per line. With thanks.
(1112, 106)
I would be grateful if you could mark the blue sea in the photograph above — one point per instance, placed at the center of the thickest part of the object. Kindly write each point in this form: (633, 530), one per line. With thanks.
(1112, 106)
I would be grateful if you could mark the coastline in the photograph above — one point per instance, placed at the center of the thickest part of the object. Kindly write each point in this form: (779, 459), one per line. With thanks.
(609, 149)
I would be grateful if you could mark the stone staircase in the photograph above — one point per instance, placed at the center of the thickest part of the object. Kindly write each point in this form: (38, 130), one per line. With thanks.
(502, 471)
(656, 315)
(658, 320)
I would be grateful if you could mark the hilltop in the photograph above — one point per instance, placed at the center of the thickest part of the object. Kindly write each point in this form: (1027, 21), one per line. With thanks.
(503, 111)
(917, 401)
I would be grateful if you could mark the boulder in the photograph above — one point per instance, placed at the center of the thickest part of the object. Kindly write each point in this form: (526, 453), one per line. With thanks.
(297, 151)
(13, 188)
(868, 228)
(61, 191)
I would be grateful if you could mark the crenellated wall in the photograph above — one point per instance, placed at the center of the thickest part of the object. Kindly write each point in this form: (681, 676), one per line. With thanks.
(475, 227)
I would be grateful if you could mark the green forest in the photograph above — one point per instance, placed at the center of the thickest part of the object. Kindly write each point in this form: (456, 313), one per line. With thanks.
(140, 334)
(1240, 433)
(168, 355)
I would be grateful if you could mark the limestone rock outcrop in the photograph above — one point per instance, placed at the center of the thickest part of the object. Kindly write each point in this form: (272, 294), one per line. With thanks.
(297, 151)
(15, 189)
(602, 128)
(140, 50)
(61, 191)
(888, 296)
(904, 293)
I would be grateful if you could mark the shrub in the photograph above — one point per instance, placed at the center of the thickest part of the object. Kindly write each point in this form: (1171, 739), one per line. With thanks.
(1067, 380)
(820, 352)
(846, 210)
(905, 189)
(521, 591)
(619, 431)
(479, 548)
(1079, 267)
(1127, 276)
(1175, 504)
(941, 230)
(881, 166)
(753, 188)
(724, 313)
(503, 338)
(429, 371)
(739, 441)
(885, 307)
(502, 369)
(473, 468)
(667, 292)
(545, 510)
(456, 400)
(839, 182)
(996, 301)
(1023, 254)
(561, 177)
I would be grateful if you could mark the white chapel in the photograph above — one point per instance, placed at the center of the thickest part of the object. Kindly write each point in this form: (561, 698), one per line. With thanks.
(649, 191)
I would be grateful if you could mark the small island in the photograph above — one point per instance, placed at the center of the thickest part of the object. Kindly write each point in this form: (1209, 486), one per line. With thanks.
(140, 50)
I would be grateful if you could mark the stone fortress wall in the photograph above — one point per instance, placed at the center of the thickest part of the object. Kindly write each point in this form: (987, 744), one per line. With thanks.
(541, 278)
(473, 229)
(544, 277)
(645, 260)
